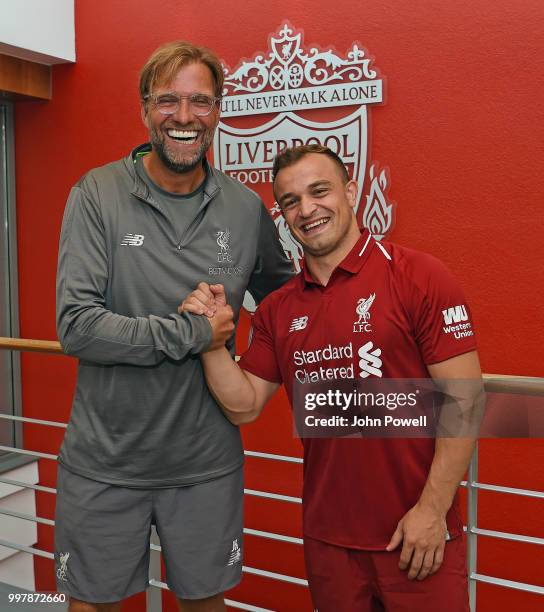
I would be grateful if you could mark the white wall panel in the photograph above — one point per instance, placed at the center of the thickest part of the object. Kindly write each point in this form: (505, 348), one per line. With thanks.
(38, 30)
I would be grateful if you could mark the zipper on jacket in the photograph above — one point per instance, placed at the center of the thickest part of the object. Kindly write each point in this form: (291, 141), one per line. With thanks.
(144, 195)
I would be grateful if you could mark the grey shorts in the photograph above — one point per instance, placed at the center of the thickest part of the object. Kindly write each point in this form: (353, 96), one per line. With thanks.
(102, 536)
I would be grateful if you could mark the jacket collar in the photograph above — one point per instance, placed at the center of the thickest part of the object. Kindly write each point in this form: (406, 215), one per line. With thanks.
(141, 190)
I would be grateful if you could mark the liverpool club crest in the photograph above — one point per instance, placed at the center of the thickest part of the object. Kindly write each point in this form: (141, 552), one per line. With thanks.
(292, 95)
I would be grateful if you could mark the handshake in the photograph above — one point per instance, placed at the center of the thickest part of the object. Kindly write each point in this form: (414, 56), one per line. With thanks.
(211, 301)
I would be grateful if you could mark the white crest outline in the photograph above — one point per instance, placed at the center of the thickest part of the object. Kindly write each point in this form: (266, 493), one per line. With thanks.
(379, 211)
(318, 66)
(359, 115)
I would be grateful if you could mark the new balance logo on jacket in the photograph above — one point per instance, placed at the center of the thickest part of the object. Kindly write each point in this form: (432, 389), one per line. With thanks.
(132, 240)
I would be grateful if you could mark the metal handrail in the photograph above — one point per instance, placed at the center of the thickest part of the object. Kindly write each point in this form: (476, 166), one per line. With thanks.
(247, 569)
(473, 531)
(153, 583)
(232, 604)
(493, 383)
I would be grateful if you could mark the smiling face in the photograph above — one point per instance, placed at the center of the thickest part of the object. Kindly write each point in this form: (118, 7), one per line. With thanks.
(318, 206)
(182, 139)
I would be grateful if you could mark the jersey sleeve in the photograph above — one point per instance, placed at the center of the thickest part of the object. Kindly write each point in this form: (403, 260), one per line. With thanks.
(260, 359)
(442, 320)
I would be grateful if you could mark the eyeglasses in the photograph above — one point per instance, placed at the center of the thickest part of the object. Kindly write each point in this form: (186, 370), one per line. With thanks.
(169, 103)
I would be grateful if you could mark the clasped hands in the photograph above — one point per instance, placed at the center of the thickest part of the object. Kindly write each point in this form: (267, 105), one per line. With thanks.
(211, 301)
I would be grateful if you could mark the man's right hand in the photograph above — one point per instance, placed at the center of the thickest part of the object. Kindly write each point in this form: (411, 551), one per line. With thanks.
(210, 300)
(204, 300)
(222, 324)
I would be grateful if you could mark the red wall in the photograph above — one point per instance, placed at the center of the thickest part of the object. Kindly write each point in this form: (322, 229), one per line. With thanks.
(461, 131)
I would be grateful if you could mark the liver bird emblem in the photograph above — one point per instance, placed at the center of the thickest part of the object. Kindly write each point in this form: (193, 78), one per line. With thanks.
(63, 566)
(223, 241)
(363, 307)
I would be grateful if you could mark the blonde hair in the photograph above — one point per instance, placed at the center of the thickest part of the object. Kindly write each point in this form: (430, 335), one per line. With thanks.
(166, 61)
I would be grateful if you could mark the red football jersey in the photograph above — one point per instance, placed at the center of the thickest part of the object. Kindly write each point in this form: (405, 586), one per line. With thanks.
(387, 311)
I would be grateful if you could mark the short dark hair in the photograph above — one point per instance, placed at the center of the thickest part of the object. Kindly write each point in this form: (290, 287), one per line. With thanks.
(288, 157)
(166, 61)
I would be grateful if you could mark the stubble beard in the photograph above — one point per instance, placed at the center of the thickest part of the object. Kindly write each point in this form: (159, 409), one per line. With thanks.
(320, 251)
(177, 163)
(328, 246)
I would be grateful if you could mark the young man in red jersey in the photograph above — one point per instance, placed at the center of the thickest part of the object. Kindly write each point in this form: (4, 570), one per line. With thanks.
(382, 528)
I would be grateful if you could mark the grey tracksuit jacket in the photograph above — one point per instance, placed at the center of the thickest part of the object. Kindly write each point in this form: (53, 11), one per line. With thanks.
(142, 414)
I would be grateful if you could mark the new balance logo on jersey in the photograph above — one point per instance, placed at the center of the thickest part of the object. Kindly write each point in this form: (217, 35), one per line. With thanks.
(370, 362)
(298, 324)
(235, 555)
(132, 240)
(455, 314)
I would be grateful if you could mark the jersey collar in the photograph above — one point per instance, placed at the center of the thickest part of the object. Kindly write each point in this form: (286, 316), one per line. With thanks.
(352, 263)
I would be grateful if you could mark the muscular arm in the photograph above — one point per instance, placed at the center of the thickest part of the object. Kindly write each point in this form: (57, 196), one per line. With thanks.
(240, 394)
(452, 454)
(422, 530)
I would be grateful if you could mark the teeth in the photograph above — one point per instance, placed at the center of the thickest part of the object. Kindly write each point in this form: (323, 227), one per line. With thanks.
(310, 226)
(184, 135)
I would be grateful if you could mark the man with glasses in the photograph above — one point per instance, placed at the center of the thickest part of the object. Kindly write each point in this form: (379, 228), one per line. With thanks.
(146, 443)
